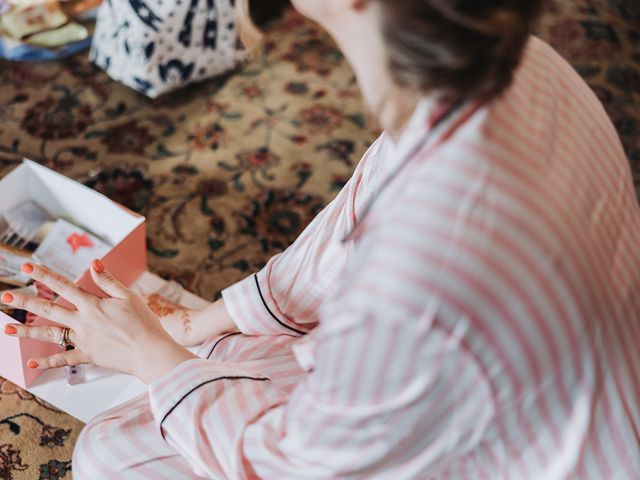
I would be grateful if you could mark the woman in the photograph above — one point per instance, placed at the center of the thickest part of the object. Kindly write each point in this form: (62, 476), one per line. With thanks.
(467, 307)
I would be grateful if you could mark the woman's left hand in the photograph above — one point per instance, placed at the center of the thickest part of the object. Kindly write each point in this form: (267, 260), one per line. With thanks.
(118, 332)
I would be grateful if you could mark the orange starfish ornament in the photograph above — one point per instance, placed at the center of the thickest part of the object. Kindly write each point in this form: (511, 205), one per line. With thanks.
(76, 241)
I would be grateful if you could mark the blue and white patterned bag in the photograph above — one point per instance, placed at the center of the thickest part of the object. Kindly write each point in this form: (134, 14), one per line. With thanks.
(155, 46)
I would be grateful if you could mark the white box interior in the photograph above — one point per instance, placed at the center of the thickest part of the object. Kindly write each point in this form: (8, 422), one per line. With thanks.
(65, 198)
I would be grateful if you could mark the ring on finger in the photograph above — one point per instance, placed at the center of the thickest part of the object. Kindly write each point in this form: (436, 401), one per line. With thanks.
(65, 341)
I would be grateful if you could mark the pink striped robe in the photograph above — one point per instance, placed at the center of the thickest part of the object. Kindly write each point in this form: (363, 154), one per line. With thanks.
(483, 321)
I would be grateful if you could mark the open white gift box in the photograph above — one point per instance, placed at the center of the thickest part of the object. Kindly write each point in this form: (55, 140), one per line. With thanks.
(78, 204)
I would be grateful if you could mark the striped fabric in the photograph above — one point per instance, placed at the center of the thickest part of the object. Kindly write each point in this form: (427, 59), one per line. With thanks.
(481, 322)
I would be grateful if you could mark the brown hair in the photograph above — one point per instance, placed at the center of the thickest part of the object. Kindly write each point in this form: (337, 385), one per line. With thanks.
(464, 48)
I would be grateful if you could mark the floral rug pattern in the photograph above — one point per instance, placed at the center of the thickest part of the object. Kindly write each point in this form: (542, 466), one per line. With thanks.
(229, 171)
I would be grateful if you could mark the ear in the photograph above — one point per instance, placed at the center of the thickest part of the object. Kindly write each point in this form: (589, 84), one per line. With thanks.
(330, 14)
(341, 6)
(359, 5)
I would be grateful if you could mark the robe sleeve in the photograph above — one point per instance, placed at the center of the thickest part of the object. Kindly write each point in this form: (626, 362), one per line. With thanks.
(284, 296)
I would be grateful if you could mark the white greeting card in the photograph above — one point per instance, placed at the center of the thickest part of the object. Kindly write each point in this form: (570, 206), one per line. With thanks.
(69, 250)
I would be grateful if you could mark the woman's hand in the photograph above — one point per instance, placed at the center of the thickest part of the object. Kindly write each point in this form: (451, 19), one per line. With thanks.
(191, 327)
(118, 332)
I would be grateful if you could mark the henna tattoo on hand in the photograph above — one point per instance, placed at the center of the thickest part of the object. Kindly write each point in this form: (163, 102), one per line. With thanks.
(161, 306)
(186, 322)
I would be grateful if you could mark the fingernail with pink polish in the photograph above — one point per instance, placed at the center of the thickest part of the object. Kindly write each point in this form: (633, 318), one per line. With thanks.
(98, 266)
(10, 330)
(32, 364)
(7, 297)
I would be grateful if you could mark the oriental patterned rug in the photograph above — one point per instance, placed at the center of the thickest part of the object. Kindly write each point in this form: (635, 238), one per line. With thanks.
(229, 171)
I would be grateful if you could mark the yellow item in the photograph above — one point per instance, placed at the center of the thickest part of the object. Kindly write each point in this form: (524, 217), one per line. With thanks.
(25, 20)
(71, 32)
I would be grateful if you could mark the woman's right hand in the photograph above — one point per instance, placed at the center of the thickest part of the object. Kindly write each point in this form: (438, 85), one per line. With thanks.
(190, 327)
